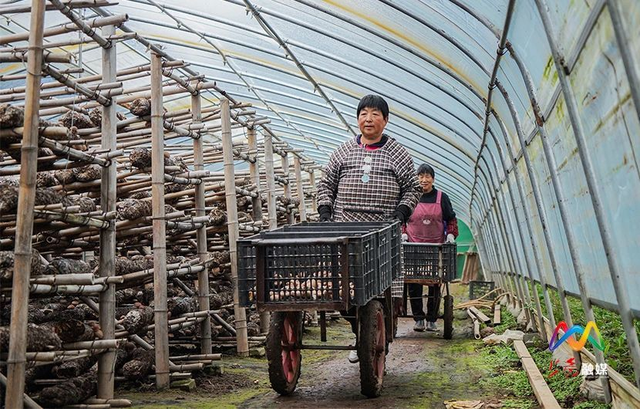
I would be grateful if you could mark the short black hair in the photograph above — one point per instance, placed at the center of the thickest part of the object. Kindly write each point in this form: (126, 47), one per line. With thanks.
(373, 101)
(424, 168)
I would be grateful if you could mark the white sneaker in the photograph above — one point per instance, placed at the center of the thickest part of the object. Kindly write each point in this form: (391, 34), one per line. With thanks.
(432, 326)
(353, 356)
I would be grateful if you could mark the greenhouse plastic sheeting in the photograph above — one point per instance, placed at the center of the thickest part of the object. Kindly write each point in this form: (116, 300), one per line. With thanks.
(433, 61)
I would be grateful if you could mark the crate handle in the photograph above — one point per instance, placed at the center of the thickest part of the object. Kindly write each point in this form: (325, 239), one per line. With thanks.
(407, 243)
(314, 240)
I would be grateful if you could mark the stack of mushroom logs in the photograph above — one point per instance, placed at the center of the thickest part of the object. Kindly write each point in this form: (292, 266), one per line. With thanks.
(64, 337)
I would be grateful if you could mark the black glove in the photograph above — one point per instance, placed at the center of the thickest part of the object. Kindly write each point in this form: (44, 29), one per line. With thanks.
(402, 213)
(325, 213)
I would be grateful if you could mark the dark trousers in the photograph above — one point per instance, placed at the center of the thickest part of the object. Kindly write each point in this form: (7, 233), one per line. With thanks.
(350, 315)
(415, 296)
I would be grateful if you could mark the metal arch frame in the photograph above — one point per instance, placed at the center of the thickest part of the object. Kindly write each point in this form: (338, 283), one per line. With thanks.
(145, 42)
(512, 245)
(222, 55)
(505, 184)
(329, 35)
(499, 53)
(622, 295)
(267, 27)
(396, 125)
(437, 64)
(527, 216)
(269, 52)
(627, 58)
(356, 46)
(441, 33)
(481, 19)
(289, 73)
(561, 203)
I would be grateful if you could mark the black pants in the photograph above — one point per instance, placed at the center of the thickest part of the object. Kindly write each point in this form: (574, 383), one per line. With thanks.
(415, 296)
(350, 315)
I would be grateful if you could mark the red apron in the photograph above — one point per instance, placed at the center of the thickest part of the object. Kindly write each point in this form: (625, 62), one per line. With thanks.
(426, 224)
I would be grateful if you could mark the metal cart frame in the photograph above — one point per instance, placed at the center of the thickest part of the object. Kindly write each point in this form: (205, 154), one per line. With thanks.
(431, 265)
(294, 248)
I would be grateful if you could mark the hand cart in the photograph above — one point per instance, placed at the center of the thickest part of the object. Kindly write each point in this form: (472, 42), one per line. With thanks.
(322, 267)
(431, 265)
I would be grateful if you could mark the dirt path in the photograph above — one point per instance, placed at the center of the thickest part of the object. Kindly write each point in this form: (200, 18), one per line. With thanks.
(423, 371)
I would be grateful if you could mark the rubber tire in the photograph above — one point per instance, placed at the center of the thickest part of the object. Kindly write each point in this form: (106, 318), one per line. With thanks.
(448, 317)
(284, 328)
(371, 348)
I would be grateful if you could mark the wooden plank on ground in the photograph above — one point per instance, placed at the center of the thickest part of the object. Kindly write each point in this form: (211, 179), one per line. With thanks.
(496, 314)
(540, 388)
(481, 316)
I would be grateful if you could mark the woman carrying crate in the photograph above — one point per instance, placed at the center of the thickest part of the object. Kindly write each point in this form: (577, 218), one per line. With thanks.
(433, 221)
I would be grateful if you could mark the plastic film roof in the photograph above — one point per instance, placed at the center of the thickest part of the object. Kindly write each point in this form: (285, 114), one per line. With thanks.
(305, 64)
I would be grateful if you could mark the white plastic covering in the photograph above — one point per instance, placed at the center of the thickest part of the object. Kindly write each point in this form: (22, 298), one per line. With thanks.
(432, 60)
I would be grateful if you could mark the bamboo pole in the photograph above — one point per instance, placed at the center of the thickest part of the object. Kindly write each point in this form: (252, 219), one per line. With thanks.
(22, 56)
(201, 233)
(97, 22)
(271, 181)
(298, 171)
(159, 228)
(28, 402)
(108, 199)
(26, 201)
(81, 89)
(287, 187)
(77, 20)
(254, 174)
(232, 223)
(312, 182)
(69, 3)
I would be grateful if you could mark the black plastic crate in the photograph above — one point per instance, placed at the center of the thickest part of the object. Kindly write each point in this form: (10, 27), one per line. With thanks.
(426, 261)
(478, 289)
(304, 264)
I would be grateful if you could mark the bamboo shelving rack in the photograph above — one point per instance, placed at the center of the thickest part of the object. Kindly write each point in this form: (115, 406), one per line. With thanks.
(82, 193)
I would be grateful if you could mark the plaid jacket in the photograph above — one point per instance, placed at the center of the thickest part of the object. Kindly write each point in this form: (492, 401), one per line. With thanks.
(368, 185)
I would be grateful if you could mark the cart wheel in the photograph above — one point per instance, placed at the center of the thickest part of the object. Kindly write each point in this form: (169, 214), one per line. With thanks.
(371, 348)
(448, 317)
(283, 340)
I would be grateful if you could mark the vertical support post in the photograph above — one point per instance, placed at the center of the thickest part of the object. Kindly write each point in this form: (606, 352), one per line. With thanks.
(254, 174)
(564, 215)
(627, 56)
(508, 262)
(17, 359)
(271, 181)
(287, 187)
(527, 219)
(159, 226)
(513, 226)
(232, 224)
(615, 270)
(201, 233)
(108, 199)
(298, 170)
(312, 182)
